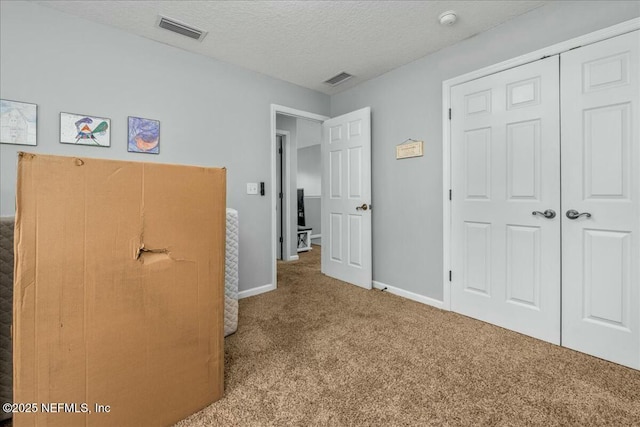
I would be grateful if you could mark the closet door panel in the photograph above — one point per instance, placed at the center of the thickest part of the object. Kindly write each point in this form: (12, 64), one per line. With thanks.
(506, 166)
(601, 177)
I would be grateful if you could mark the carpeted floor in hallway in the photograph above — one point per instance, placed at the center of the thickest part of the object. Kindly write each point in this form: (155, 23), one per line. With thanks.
(317, 351)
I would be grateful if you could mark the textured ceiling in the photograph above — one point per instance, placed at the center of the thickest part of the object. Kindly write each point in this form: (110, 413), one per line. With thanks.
(306, 42)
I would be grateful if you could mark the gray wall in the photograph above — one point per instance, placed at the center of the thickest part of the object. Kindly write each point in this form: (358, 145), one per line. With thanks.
(309, 133)
(407, 103)
(211, 113)
(309, 170)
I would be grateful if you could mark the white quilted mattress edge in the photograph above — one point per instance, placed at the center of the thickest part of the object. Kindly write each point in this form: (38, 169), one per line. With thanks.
(231, 274)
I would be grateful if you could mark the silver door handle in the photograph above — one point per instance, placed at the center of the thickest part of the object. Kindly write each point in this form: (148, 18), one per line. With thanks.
(549, 213)
(574, 214)
(364, 207)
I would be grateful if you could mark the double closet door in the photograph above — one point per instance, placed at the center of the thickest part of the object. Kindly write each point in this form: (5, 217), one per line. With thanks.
(545, 210)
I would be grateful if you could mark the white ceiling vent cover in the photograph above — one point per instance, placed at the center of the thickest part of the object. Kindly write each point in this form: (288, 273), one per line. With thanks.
(180, 28)
(337, 79)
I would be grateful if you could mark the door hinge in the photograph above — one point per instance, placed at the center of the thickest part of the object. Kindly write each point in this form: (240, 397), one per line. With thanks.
(449, 275)
(280, 239)
(280, 195)
(280, 150)
(449, 113)
(450, 194)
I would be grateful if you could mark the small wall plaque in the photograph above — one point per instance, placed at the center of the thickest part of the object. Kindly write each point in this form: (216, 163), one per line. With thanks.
(409, 148)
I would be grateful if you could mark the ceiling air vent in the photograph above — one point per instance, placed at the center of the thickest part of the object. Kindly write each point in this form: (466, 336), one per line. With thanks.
(337, 79)
(180, 28)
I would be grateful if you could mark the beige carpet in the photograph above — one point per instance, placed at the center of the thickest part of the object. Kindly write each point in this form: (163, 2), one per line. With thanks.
(321, 352)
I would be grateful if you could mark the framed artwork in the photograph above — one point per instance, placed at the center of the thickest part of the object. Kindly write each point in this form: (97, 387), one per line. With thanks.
(144, 135)
(18, 122)
(82, 129)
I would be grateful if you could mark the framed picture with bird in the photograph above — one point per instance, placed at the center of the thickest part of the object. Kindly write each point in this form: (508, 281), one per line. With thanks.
(144, 135)
(82, 129)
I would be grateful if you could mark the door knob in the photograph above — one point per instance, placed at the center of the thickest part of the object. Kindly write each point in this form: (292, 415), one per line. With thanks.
(364, 207)
(574, 214)
(549, 213)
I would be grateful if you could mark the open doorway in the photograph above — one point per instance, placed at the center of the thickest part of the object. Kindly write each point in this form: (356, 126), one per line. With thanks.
(345, 203)
(308, 183)
(296, 165)
(298, 186)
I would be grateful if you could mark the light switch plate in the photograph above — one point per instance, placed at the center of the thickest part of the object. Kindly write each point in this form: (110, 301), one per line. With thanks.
(252, 188)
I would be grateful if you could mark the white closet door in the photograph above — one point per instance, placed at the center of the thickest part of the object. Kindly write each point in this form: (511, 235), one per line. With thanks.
(506, 166)
(601, 177)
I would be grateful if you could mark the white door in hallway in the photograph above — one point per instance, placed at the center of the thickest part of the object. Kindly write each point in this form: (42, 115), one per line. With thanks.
(505, 174)
(601, 178)
(346, 197)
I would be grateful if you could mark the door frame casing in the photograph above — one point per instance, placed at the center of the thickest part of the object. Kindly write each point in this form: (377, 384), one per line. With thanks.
(287, 111)
(286, 193)
(596, 36)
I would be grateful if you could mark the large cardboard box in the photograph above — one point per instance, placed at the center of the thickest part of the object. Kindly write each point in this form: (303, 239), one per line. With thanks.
(119, 291)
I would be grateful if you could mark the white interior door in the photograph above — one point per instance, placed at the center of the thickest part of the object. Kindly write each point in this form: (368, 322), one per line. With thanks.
(346, 197)
(505, 167)
(601, 177)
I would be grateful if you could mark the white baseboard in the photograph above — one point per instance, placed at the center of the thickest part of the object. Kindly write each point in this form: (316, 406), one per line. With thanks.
(316, 236)
(409, 295)
(255, 291)
(293, 258)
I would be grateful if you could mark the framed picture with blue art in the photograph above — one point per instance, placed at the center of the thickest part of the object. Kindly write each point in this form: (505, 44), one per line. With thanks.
(18, 122)
(82, 129)
(144, 135)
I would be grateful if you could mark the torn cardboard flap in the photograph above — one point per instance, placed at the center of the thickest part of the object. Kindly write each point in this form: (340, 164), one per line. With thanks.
(119, 289)
(152, 255)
